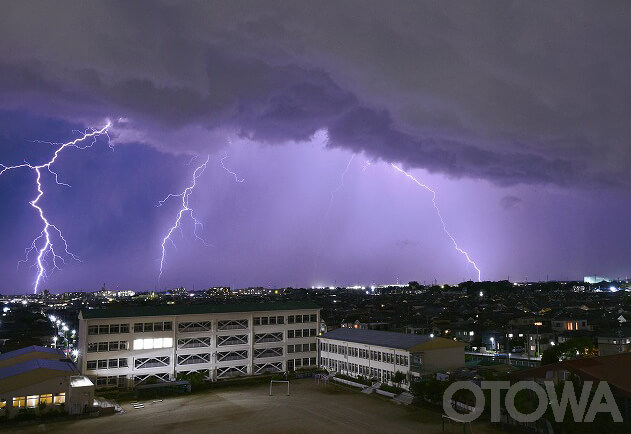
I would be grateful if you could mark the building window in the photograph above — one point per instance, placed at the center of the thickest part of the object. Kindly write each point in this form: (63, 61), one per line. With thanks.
(3, 404)
(151, 343)
(19, 401)
(32, 401)
(91, 365)
(46, 399)
(60, 398)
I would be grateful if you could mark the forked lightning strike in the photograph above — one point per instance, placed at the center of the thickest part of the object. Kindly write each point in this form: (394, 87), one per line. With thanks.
(463, 252)
(185, 209)
(45, 243)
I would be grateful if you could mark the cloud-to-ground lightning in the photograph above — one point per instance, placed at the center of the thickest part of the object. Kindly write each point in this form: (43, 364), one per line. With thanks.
(236, 177)
(185, 209)
(442, 221)
(328, 208)
(50, 243)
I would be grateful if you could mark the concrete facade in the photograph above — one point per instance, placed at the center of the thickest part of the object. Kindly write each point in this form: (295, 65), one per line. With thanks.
(119, 350)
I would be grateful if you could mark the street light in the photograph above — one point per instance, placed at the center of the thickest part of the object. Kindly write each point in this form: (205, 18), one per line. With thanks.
(538, 324)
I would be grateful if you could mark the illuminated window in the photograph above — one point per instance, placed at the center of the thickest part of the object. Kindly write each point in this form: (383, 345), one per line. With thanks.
(3, 403)
(46, 399)
(137, 344)
(60, 398)
(19, 401)
(147, 344)
(32, 401)
(157, 343)
(167, 342)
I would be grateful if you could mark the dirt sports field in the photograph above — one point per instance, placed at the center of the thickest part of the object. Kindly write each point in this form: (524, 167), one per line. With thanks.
(311, 408)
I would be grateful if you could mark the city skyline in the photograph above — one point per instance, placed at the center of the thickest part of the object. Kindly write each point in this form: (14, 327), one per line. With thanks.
(523, 138)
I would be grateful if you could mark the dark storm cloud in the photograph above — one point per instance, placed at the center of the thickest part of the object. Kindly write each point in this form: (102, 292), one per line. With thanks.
(510, 92)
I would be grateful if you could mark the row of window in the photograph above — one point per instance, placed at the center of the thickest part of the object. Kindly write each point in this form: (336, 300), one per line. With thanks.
(361, 353)
(268, 320)
(299, 363)
(108, 329)
(354, 369)
(106, 364)
(159, 326)
(140, 327)
(33, 401)
(301, 348)
(113, 380)
(304, 333)
(101, 347)
(152, 343)
(297, 319)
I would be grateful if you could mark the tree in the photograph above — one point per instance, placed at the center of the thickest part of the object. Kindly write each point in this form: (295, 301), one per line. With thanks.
(398, 377)
(549, 356)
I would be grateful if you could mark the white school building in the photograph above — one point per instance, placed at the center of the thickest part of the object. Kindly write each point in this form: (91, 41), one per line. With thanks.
(379, 354)
(126, 347)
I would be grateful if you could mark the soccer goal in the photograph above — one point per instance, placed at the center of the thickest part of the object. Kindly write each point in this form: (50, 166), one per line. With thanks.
(271, 383)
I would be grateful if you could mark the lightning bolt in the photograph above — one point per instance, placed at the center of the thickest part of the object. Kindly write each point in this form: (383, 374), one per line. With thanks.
(50, 243)
(185, 209)
(453, 240)
(236, 177)
(328, 209)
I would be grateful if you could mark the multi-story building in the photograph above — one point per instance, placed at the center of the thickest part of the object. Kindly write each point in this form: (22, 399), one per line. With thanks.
(379, 354)
(126, 347)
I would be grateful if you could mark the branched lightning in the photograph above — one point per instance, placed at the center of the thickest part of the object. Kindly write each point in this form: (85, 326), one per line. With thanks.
(45, 244)
(463, 252)
(185, 209)
(236, 177)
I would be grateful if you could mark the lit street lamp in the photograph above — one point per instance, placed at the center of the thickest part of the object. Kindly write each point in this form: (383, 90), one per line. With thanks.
(538, 324)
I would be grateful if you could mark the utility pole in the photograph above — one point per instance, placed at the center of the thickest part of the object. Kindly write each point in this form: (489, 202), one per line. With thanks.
(621, 320)
(537, 324)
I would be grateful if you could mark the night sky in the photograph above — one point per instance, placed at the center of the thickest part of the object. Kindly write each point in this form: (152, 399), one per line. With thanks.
(518, 115)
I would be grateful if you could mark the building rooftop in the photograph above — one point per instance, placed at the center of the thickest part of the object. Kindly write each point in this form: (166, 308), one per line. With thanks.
(193, 309)
(380, 338)
(613, 368)
(31, 365)
(31, 349)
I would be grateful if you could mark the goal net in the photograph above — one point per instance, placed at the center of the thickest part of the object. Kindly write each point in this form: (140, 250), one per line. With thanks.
(271, 384)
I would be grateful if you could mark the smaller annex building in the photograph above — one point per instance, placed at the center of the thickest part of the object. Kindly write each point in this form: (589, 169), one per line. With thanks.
(380, 354)
(39, 379)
